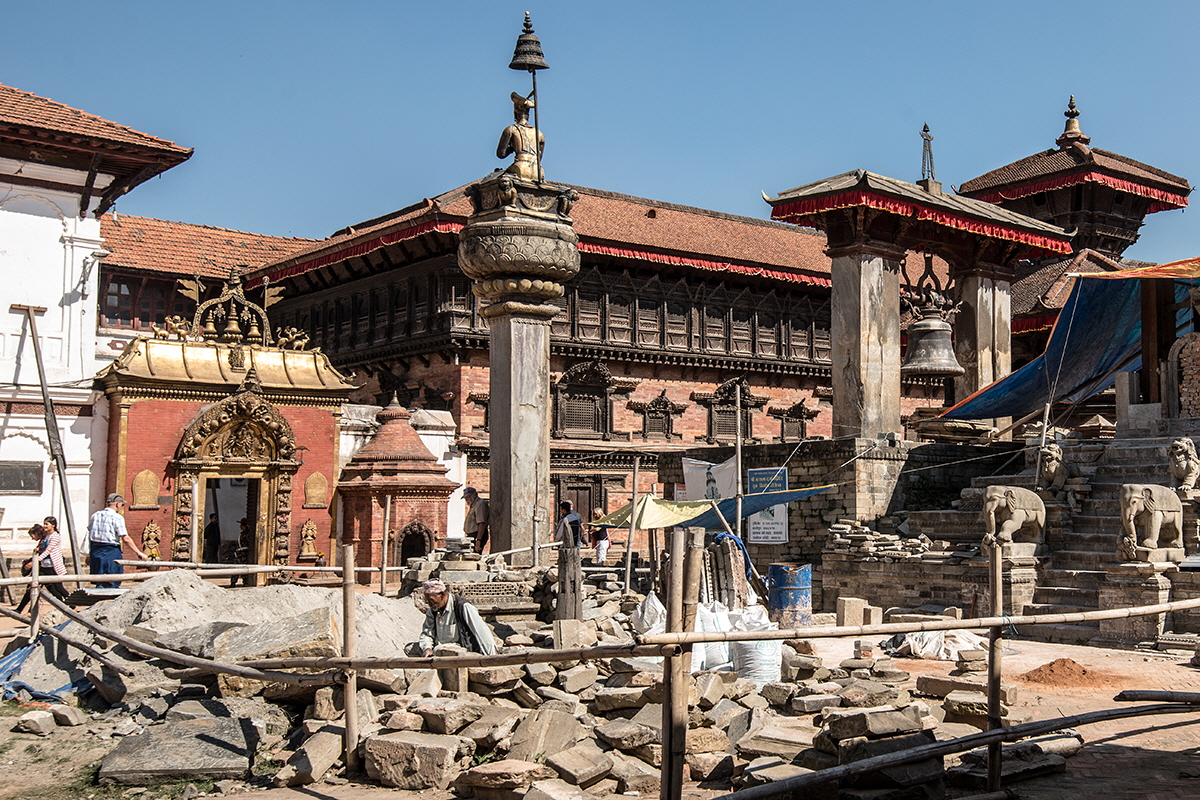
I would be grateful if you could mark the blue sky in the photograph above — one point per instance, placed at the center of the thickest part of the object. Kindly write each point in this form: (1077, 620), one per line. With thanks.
(309, 116)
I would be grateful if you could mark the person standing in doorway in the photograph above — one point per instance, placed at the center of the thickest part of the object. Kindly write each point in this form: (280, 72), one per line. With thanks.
(212, 540)
(570, 526)
(478, 516)
(107, 535)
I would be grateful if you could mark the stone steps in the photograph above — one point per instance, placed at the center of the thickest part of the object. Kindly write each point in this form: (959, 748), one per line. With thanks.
(1074, 595)
(1054, 608)
(1081, 559)
(1084, 542)
(1064, 577)
(1059, 634)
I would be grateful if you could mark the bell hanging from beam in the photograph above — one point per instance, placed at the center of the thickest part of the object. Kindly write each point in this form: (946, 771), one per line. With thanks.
(930, 349)
(528, 53)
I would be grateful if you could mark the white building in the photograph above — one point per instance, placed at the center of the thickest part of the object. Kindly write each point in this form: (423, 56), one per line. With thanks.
(60, 170)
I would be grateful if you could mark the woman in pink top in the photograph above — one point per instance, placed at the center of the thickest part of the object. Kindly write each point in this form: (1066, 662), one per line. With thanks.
(48, 551)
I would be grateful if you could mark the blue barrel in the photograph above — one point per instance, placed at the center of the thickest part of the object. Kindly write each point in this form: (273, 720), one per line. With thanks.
(789, 598)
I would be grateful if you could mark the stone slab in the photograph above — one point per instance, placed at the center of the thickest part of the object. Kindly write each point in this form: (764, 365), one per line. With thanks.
(509, 773)
(213, 748)
(310, 761)
(415, 760)
(581, 765)
(940, 686)
(544, 733)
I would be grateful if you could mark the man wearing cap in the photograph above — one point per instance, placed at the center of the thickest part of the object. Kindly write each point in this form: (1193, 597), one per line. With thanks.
(451, 620)
(106, 535)
(478, 513)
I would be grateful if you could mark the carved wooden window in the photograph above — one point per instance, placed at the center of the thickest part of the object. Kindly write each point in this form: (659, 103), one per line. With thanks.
(21, 477)
(620, 320)
(582, 413)
(714, 329)
(583, 399)
(740, 333)
(649, 327)
(420, 307)
(118, 303)
(400, 310)
(379, 314)
(793, 430)
(722, 411)
(458, 295)
(658, 417)
(677, 326)
(560, 324)
(767, 342)
(724, 422)
(587, 311)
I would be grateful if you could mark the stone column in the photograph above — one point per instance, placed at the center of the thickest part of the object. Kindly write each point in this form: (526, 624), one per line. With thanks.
(518, 245)
(982, 333)
(865, 333)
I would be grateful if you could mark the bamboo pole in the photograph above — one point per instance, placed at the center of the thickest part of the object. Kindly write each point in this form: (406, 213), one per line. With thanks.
(961, 745)
(206, 664)
(1150, 696)
(995, 757)
(35, 596)
(387, 521)
(349, 638)
(637, 460)
(539, 656)
(981, 623)
(70, 641)
(675, 692)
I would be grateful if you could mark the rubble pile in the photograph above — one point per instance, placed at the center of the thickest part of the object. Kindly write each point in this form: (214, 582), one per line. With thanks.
(541, 731)
(861, 543)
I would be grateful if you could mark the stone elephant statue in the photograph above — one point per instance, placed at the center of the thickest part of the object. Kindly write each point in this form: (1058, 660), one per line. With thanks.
(1156, 510)
(1008, 509)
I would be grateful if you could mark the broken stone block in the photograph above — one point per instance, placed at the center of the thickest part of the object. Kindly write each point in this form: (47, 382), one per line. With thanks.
(543, 733)
(650, 753)
(812, 758)
(40, 722)
(403, 721)
(634, 665)
(541, 674)
(427, 683)
(446, 715)
(913, 774)
(707, 740)
(214, 748)
(739, 688)
(328, 703)
(195, 709)
(778, 693)
(850, 611)
(941, 685)
(416, 760)
(383, 680)
(633, 774)
(723, 713)
(779, 737)
(577, 678)
(494, 724)
(68, 716)
(145, 681)
(499, 679)
(969, 704)
(851, 664)
(526, 697)
(710, 689)
(709, 766)
(569, 634)
(649, 715)
(509, 773)
(813, 703)
(556, 789)
(613, 699)
(866, 694)
(197, 641)
(551, 693)
(769, 769)
(314, 633)
(624, 734)
(313, 758)
(581, 765)
(872, 722)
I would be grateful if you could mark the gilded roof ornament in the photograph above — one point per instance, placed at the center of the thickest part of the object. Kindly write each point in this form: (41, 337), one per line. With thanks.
(1072, 133)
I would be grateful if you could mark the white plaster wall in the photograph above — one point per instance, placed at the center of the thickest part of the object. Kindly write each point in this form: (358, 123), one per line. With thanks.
(437, 431)
(48, 258)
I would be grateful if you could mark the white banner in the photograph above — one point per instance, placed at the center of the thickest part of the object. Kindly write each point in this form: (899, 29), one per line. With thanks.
(705, 481)
(769, 526)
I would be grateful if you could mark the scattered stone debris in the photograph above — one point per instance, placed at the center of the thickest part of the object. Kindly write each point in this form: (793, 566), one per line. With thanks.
(860, 543)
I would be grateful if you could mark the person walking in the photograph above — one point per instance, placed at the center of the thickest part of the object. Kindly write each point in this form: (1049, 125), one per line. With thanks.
(107, 536)
(478, 516)
(570, 526)
(599, 538)
(450, 620)
(48, 552)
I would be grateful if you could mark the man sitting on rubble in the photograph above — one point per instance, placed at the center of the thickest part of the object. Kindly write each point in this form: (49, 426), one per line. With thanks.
(450, 620)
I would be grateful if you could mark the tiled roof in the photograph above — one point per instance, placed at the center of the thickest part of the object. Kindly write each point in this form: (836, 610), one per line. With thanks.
(1044, 286)
(145, 244)
(1052, 162)
(26, 110)
(624, 222)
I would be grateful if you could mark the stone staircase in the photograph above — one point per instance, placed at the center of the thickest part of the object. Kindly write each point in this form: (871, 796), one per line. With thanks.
(1080, 543)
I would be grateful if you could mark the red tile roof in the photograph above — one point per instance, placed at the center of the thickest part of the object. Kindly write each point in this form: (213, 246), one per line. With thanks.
(177, 248)
(25, 110)
(1053, 162)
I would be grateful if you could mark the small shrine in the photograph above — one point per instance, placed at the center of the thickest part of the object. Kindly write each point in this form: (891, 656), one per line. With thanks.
(217, 415)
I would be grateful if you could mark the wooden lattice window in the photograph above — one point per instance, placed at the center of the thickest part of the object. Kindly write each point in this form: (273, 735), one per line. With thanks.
(582, 414)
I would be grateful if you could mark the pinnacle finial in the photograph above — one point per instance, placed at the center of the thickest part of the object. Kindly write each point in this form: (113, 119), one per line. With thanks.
(927, 154)
(529, 28)
(1071, 133)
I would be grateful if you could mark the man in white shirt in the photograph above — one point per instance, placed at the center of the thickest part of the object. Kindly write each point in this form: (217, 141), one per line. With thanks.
(106, 535)
(451, 620)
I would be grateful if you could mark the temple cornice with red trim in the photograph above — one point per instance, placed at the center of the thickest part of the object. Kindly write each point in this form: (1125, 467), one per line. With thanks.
(1163, 200)
(804, 211)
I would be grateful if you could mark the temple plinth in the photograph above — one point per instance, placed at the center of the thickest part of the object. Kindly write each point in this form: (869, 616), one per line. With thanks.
(871, 221)
(519, 246)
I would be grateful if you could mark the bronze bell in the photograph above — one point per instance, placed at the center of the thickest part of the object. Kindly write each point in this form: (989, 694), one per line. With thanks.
(930, 349)
(528, 54)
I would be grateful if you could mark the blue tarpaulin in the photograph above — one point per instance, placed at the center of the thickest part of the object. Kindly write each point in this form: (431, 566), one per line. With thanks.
(1098, 330)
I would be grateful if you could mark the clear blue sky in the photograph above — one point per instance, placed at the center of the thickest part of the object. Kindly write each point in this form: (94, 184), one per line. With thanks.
(309, 116)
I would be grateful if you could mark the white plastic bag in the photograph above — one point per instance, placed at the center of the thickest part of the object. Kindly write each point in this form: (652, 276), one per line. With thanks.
(761, 661)
(711, 618)
(650, 616)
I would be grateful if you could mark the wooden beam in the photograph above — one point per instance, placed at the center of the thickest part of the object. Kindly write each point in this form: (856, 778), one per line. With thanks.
(85, 198)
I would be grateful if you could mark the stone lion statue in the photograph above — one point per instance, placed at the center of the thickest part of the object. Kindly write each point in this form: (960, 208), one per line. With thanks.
(1184, 464)
(1053, 473)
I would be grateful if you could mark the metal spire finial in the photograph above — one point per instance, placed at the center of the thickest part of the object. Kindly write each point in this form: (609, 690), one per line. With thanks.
(528, 53)
(1072, 133)
(927, 154)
